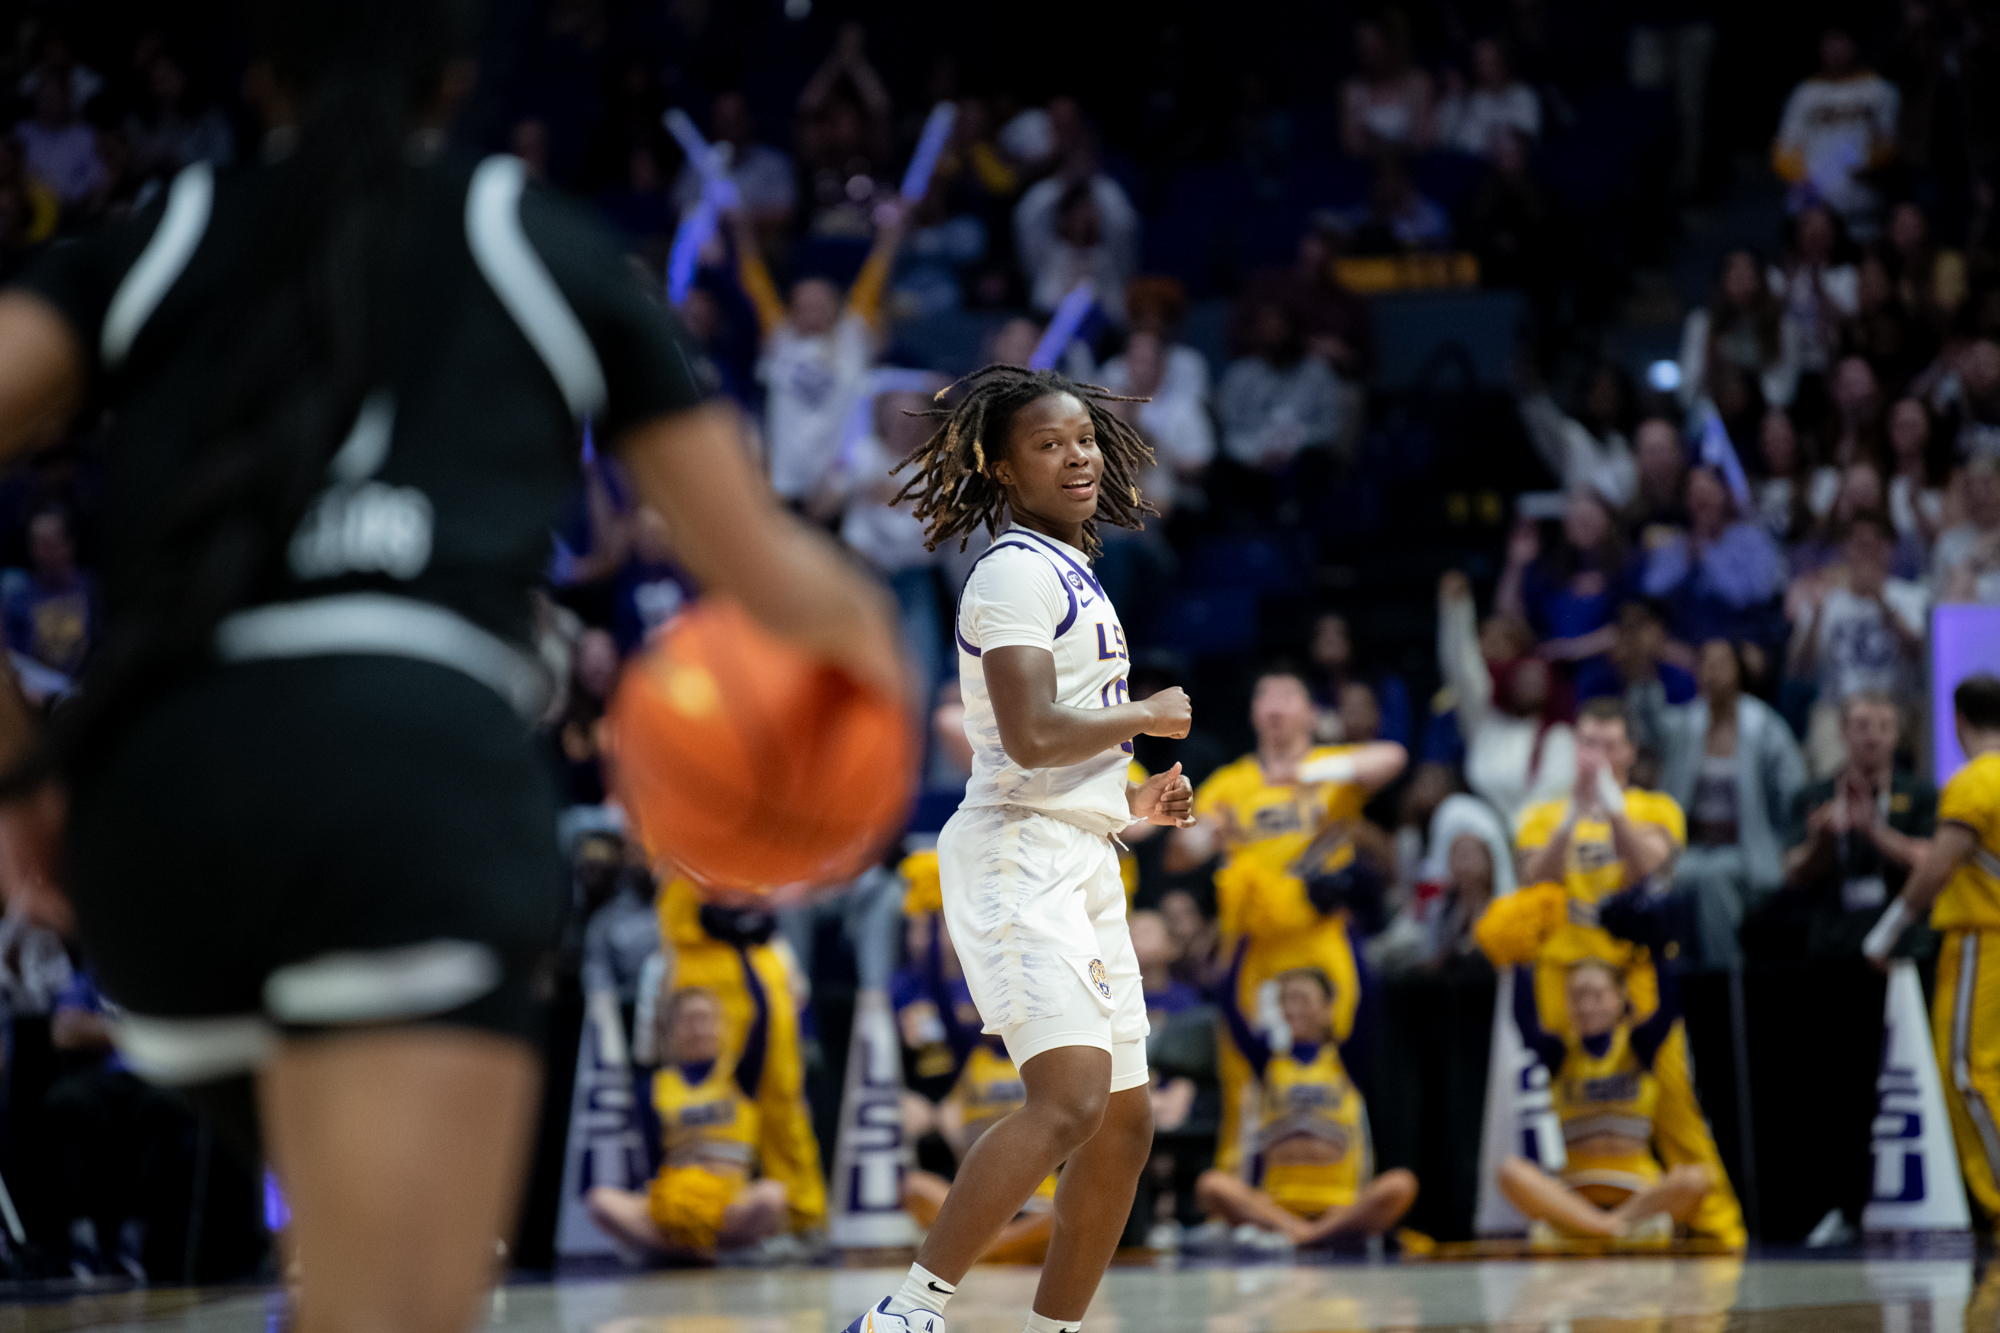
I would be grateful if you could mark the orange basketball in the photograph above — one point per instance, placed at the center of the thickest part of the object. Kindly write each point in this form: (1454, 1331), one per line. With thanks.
(749, 765)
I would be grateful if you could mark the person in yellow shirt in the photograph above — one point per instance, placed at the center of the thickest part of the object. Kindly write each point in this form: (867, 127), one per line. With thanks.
(1312, 1177)
(704, 1199)
(1604, 838)
(1958, 883)
(1263, 813)
(1603, 1089)
(692, 937)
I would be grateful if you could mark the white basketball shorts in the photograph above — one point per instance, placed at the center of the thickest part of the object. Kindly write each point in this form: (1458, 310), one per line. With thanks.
(1036, 910)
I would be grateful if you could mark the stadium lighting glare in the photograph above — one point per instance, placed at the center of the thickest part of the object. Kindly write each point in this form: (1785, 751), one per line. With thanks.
(1664, 375)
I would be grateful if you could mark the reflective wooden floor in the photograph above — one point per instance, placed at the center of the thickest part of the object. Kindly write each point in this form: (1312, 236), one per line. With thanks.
(1535, 1296)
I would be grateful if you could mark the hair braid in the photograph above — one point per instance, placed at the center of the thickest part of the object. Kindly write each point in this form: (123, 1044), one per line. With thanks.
(953, 488)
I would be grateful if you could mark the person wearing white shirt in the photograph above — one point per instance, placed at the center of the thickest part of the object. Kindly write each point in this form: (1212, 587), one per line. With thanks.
(1515, 756)
(1837, 126)
(1070, 230)
(1865, 637)
(1818, 294)
(1496, 100)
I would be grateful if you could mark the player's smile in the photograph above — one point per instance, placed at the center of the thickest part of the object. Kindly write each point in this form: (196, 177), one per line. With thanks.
(1053, 467)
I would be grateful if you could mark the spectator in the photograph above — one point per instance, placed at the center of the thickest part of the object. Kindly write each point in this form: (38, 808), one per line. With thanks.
(593, 674)
(1973, 398)
(1657, 511)
(1883, 331)
(51, 617)
(529, 141)
(1073, 228)
(1856, 424)
(1469, 121)
(1838, 126)
(1338, 326)
(1637, 669)
(1277, 401)
(1930, 281)
(1519, 748)
(1568, 593)
(1174, 378)
(1331, 657)
(1864, 636)
(61, 150)
(1397, 217)
(622, 929)
(1818, 291)
(763, 175)
(1916, 491)
(1854, 836)
(844, 138)
(1742, 326)
(1388, 106)
(1724, 576)
(1792, 494)
(892, 426)
(33, 207)
(1510, 224)
(1965, 564)
(1730, 762)
(1591, 451)
(817, 350)
(172, 128)
(57, 60)
(1469, 864)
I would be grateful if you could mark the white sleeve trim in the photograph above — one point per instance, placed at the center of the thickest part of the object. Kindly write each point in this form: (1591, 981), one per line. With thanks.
(184, 221)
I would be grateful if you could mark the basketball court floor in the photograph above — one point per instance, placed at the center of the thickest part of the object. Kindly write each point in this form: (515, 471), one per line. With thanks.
(1625, 1295)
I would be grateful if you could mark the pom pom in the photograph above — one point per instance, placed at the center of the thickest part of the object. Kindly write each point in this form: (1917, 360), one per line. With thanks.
(1514, 928)
(926, 892)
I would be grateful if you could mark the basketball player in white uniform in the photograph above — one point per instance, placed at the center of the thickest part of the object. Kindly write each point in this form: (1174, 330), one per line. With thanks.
(1032, 893)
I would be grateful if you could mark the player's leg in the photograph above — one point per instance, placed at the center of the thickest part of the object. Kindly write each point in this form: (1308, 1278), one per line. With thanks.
(1237, 1201)
(1966, 1025)
(1093, 1201)
(1068, 1087)
(1543, 1198)
(1678, 1194)
(1380, 1205)
(401, 1153)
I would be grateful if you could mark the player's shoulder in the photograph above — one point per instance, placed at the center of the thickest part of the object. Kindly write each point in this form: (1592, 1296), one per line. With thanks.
(1978, 783)
(1004, 564)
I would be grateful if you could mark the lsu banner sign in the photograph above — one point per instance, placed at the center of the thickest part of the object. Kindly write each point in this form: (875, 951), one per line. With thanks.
(604, 1143)
(1917, 1185)
(1519, 1118)
(870, 1156)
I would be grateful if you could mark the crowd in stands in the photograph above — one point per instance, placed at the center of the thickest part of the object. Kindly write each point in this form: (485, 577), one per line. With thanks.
(1691, 660)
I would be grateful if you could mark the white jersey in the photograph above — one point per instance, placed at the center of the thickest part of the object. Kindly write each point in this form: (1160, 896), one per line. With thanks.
(1035, 591)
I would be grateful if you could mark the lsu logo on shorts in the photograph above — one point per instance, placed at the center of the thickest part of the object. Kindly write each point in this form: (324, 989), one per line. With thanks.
(1099, 979)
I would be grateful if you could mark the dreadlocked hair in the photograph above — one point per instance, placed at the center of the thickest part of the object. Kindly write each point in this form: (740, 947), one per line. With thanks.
(956, 494)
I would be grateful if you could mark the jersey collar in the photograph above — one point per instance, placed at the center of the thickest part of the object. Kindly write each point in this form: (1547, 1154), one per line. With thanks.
(1063, 551)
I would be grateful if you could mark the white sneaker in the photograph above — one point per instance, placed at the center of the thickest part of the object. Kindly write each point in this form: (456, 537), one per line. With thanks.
(1209, 1236)
(1649, 1233)
(1164, 1237)
(1250, 1236)
(879, 1320)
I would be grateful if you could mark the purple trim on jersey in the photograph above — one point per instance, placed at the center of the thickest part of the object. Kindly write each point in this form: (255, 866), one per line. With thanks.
(1063, 552)
(1068, 591)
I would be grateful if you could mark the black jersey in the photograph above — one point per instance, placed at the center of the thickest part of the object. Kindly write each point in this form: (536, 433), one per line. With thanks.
(520, 316)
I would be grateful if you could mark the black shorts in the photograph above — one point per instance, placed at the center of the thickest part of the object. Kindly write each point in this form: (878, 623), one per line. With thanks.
(315, 844)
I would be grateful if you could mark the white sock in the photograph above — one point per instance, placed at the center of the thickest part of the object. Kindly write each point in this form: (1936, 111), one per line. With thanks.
(921, 1290)
(1041, 1323)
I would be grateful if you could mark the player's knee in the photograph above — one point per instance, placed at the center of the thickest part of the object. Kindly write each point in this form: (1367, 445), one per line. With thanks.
(1518, 1171)
(1210, 1187)
(1073, 1115)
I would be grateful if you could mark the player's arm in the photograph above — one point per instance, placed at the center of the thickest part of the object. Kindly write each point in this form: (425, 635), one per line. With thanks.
(1950, 846)
(736, 540)
(1038, 732)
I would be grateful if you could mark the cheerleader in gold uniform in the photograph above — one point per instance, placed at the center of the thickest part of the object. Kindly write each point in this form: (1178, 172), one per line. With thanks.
(1604, 1091)
(1310, 1178)
(705, 1198)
